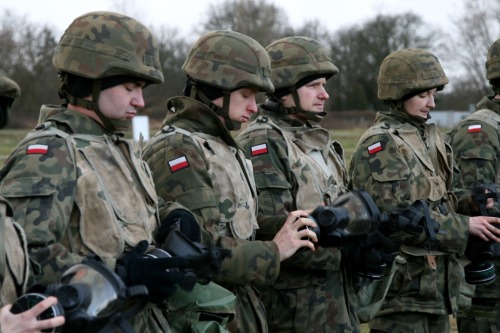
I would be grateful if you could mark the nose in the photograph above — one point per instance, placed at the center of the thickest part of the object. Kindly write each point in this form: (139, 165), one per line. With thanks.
(252, 105)
(138, 99)
(323, 94)
(430, 102)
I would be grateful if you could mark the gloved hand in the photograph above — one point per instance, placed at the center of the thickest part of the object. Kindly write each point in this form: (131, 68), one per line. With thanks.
(159, 275)
(182, 220)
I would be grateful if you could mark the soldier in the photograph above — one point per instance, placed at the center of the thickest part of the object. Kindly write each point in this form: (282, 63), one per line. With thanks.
(297, 166)
(76, 184)
(399, 160)
(476, 144)
(196, 162)
(14, 266)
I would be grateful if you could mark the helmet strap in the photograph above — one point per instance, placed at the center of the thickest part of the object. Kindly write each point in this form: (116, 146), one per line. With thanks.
(223, 111)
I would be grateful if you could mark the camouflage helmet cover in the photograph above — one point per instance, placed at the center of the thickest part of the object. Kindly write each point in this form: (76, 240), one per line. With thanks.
(409, 70)
(102, 44)
(229, 60)
(294, 58)
(8, 88)
(493, 61)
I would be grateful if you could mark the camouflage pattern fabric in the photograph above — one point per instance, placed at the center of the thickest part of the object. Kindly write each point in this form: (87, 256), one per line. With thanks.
(196, 162)
(102, 44)
(72, 185)
(409, 70)
(299, 167)
(393, 163)
(13, 257)
(8, 88)
(229, 60)
(476, 144)
(493, 61)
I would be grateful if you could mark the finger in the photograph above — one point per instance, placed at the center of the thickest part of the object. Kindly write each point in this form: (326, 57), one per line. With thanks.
(42, 306)
(307, 243)
(306, 233)
(50, 323)
(303, 221)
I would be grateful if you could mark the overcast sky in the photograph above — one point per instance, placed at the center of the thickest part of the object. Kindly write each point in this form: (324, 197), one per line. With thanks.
(186, 14)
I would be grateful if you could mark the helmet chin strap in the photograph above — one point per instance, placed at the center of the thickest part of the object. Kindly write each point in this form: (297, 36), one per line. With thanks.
(309, 116)
(110, 125)
(223, 111)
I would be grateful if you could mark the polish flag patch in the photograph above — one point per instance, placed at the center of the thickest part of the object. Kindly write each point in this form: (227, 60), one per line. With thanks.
(178, 164)
(374, 148)
(259, 149)
(37, 149)
(474, 128)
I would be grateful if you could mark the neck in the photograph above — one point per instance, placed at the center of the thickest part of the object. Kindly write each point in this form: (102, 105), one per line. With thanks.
(86, 112)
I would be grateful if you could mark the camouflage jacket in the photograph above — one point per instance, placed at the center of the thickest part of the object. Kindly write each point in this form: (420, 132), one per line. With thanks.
(14, 265)
(72, 185)
(297, 166)
(476, 144)
(197, 163)
(398, 161)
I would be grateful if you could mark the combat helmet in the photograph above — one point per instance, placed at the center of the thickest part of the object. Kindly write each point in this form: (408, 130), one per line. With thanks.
(407, 71)
(9, 91)
(294, 60)
(493, 61)
(226, 60)
(102, 45)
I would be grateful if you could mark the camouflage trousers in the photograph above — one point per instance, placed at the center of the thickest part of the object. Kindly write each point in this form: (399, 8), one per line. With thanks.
(410, 322)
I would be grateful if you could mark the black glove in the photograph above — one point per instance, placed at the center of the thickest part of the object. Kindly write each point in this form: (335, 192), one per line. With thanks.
(159, 275)
(182, 220)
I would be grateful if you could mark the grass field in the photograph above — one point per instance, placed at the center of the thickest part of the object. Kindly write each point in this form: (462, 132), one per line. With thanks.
(348, 139)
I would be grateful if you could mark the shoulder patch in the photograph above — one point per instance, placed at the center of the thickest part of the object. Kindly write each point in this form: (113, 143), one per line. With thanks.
(474, 128)
(375, 148)
(37, 149)
(259, 149)
(178, 163)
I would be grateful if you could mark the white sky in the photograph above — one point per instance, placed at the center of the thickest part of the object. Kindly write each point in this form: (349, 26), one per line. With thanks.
(186, 14)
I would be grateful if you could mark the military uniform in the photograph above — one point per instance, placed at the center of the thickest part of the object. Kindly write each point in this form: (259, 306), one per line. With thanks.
(79, 190)
(14, 265)
(397, 161)
(197, 163)
(476, 144)
(297, 166)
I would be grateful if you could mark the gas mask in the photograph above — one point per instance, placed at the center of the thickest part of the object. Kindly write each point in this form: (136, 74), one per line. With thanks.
(90, 297)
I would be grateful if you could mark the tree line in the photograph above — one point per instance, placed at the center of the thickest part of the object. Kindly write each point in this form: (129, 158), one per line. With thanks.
(357, 50)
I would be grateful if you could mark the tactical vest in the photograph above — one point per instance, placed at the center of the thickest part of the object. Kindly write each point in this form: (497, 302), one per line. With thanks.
(14, 265)
(114, 188)
(233, 182)
(315, 161)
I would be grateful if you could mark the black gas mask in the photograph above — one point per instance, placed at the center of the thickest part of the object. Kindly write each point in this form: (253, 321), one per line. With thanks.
(481, 270)
(90, 297)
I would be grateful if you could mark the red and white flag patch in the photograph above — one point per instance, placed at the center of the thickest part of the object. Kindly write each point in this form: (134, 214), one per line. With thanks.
(259, 149)
(178, 164)
(474, 128)
(37, 149)
(374, 148)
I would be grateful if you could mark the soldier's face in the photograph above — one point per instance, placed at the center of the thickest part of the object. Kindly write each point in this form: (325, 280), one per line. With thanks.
(122, 101)
(312, 96)
(242, 104)
(420, 105)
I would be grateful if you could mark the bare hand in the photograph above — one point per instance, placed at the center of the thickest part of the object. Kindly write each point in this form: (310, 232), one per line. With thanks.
(293, 234)
(27, 322)
(482, 226)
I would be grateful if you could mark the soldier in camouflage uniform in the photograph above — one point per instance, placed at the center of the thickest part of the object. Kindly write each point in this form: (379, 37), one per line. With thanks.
(75, 183)
(196, 162)
(297, 166)
(14, 264)
(476, 145)
(401, 159)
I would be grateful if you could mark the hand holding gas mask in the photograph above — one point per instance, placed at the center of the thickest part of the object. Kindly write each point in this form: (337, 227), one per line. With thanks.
(91, 298)
(481, 270)
(354, 223)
